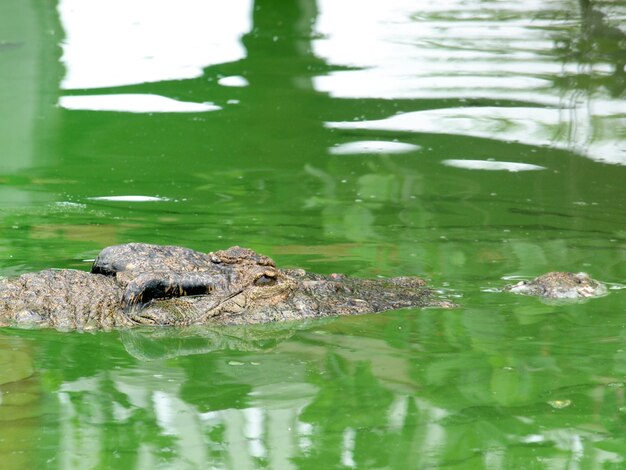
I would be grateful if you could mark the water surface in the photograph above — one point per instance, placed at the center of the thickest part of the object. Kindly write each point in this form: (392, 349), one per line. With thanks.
(467, 142)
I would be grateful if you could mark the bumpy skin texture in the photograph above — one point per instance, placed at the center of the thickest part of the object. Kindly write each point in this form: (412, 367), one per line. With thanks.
(146, 284)
(62, 298)
(560, 286)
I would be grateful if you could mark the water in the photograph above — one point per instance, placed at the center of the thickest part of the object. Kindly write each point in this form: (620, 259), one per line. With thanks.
(468, 142)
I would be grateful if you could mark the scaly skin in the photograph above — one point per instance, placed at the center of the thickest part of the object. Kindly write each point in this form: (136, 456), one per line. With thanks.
(62, 298)
(140, 284)
(166, 285)
(560, 286)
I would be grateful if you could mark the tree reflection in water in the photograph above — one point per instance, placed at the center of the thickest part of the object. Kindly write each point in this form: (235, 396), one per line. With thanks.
(455, 387)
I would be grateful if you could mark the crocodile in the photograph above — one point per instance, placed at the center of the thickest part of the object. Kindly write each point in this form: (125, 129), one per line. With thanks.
(560, 286)
(143, 284)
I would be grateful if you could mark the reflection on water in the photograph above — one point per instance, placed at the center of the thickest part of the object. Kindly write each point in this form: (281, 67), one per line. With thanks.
(426, 388)
(20, 403)
(491, 56)
(28, 88)
(153, 40)
(494, 61)
(155, 344)
(492, 165)
(129, 198)
(134, 103)
(530, 126)
(342, 137)
(372, 147)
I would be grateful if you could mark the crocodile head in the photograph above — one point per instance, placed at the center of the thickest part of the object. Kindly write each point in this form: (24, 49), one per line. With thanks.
(255, 289)
(560, 286)
(175, 286)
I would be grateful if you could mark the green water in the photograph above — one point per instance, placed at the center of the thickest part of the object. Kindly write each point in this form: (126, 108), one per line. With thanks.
(466, 142)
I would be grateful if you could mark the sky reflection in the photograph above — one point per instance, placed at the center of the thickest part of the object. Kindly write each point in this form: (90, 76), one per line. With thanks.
(527, 125)
(492, 165)
(435, 50)
(456, 50)
(115, 42)
(372, 147)
(134, 103)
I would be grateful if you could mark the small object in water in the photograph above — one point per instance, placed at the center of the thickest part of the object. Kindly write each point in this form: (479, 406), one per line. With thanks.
(560, 285)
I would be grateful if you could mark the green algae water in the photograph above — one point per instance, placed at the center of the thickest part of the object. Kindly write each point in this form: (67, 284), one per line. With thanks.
(469, 142)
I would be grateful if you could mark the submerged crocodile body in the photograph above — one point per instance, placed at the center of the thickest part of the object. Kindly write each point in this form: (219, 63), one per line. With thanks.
(141, 284)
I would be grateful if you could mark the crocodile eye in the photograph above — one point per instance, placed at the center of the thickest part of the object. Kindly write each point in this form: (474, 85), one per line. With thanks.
(581, 278)
(265, 280)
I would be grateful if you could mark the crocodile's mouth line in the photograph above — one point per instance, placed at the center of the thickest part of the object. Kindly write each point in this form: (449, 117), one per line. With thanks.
(211, 312)
(136, 316)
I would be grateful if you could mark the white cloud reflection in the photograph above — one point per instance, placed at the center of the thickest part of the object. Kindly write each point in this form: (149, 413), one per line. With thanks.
(129, 198)
(117, 42)
(433, 49)
(234, 81)
(372, 147)
(134, 103)
(409, 50)
(456, 50)
(492, 165)
(514, 124)
(527, 125)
